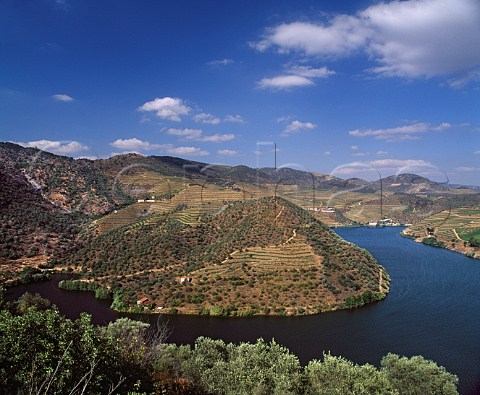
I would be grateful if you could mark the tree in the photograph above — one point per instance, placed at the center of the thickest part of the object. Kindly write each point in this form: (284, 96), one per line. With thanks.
(337, 375)
(43, 350)
(418, 376)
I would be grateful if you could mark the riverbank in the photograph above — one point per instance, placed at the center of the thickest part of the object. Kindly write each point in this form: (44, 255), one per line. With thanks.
(455, 245)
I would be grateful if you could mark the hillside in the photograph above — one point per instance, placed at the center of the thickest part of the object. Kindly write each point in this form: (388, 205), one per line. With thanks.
(48, 201)
(264, 256)
(72, 185)
(457, 229)
(31, 228)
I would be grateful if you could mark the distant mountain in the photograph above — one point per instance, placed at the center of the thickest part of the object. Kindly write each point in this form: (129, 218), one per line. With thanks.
(415, 184)
(46, 200)
(72, 185)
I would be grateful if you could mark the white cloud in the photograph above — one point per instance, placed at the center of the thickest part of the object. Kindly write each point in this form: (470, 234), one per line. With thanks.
(227, 152)
(424, 37)
(382, 166)
(309, 72)
(297, 127)
(412, 38)
(187, 151)
(56, 147)
(327, 153)
(467, 169)
(284, 82)
(220, 62)
(61, 97)
(298, 76)
(188, 134)
(381, 153)
(400, 133)
(206, 118)
(341, 36)
(354, 147)
(134, 144)
(218, 138)
(358, 154)
(169, 108)
(197, 135)
(234, 119)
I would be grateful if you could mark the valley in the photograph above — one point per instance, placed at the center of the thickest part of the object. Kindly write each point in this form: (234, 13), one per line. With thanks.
(186, 237)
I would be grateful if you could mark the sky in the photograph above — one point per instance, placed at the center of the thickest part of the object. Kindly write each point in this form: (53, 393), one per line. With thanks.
(357, 88)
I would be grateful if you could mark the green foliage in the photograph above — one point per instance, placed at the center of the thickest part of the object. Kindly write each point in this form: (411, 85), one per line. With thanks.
(27, 301)
(79, 285)
(337, 375)
(432, 241)
(258, 368)
(41, 351)
(418, 376)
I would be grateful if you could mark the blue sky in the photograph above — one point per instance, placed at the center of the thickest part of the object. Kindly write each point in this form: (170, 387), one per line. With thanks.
(349, 88)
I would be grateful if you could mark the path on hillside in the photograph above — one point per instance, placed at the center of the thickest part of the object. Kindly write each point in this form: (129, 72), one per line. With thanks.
(456, 234)
(278, 215)
(291, 238)
(380, 281)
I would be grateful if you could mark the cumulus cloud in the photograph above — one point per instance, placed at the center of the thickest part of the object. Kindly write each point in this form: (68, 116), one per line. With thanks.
(384, 167)
(220, 62)
(197, 135)
(187, 151)
(188, 134)
(169, 108)
(234, 119)
(284, 82)
(413, 38)
(227, 152)
(62, 97)
(298, 76)
(56, 147)
(310, 72)
(354, 147)
(134, 145)
(400, 133)
(206, 118)
(218, 138)
(297, 127)
(342, 35)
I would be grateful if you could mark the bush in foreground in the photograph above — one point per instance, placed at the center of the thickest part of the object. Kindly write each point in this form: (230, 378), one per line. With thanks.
(43, 352)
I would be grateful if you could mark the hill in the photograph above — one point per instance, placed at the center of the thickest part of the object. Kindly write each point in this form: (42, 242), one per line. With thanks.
(263, 256)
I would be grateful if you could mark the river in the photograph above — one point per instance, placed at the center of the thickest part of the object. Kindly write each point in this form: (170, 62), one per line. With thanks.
(433, 310)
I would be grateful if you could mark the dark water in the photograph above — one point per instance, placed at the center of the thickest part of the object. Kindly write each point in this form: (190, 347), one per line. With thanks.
(433, 310)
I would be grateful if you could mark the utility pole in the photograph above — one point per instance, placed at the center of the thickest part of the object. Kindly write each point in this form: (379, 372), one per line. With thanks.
(275, 156)
(381, 198)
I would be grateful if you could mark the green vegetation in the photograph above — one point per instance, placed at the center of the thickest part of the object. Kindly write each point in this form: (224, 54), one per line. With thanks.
(254, 257)
(457, 229)
(470, 235)
(41, 351)
(78, 285)
(432, 241)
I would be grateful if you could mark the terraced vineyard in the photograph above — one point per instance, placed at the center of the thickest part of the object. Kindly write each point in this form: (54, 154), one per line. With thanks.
(148, 183)
(450, 227)
(196, 200)
(264, 256)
